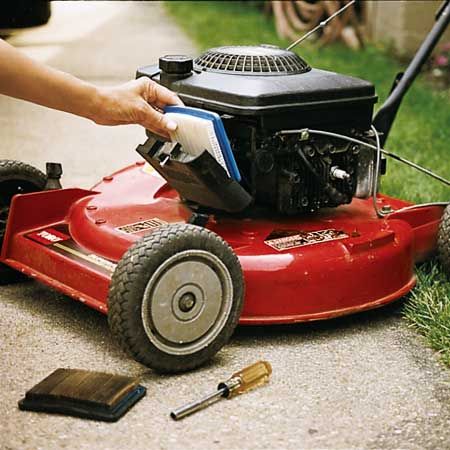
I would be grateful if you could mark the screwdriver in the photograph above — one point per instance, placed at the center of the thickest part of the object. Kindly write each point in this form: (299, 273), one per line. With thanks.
(240, 382)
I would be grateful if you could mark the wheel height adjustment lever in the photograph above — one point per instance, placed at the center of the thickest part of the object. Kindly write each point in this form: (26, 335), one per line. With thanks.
(54, 173)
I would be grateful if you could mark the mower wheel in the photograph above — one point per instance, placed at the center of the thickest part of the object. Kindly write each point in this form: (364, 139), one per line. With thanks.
(443, 245)
(176, 297)
(15, 178)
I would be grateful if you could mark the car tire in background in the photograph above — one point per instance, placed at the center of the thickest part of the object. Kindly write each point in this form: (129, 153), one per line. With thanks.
(24, 13)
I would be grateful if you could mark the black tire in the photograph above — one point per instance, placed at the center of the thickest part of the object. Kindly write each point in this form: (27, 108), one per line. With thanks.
(15, 178)
(174, 260)
(443, 244)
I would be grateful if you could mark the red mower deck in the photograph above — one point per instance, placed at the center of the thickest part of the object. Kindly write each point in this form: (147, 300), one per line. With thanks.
(334, 262)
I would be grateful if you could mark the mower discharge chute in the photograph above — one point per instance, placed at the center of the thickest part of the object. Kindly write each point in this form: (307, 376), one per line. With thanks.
(177, 252)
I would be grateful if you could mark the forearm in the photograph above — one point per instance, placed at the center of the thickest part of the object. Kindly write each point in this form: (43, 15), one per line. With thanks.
(136, 102)
(24, 78)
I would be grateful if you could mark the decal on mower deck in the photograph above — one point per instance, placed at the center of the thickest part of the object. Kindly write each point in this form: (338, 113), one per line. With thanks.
(143, 225)
(59, 239)
(48, 236)
(286, 239)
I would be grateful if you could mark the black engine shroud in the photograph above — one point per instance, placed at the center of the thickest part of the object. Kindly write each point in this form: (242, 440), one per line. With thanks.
(259, 91)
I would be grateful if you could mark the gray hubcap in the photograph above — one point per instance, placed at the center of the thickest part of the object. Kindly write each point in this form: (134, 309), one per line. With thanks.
(187, 302)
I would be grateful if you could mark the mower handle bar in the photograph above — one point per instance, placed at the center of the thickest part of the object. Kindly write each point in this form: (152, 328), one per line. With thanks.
(385, 117)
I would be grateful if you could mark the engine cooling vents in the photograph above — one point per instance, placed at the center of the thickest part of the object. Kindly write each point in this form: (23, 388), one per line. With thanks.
(251, 60)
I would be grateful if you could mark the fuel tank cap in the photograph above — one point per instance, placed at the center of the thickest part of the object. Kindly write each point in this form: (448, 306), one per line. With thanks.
(176, 64)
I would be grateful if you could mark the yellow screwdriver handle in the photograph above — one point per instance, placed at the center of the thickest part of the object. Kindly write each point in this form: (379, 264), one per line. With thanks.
(251, 377)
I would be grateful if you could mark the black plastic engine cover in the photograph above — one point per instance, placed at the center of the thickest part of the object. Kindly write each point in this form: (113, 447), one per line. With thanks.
(285, 93)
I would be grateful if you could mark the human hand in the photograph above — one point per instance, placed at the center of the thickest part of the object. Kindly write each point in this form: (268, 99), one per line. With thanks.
(137, 102)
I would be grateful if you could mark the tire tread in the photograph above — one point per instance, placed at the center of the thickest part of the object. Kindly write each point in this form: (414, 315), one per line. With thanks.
(10, 169)
(127, 280)
(443, 243)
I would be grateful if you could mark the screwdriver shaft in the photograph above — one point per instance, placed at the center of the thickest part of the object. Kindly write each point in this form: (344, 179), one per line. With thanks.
(190, 408)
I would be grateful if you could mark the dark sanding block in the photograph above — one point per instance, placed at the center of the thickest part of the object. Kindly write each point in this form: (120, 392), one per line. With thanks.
(82, 393)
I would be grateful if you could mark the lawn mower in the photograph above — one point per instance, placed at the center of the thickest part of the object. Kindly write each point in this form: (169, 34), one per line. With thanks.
(177, 252)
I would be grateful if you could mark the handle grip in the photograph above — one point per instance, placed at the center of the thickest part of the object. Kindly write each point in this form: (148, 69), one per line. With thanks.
(246, 379)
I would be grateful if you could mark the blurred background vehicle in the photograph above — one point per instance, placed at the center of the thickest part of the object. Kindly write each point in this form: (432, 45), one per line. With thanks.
(24, 13)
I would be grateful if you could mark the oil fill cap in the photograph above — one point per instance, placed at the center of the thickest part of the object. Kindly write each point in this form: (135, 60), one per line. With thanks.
(176, 64)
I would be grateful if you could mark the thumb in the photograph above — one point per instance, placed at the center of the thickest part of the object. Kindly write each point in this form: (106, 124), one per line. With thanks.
(157, 122)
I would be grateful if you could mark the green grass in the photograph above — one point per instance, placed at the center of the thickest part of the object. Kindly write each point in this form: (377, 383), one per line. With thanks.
(428, 309)
(421, 132)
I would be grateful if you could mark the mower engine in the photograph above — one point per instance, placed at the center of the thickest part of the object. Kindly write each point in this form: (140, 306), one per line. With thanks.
(262, 92)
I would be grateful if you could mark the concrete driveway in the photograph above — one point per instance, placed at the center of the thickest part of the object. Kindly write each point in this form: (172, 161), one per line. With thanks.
(359, 382)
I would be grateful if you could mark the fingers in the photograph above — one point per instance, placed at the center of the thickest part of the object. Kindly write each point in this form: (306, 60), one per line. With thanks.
(129, 104)
(155, 121)
(158, 95)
